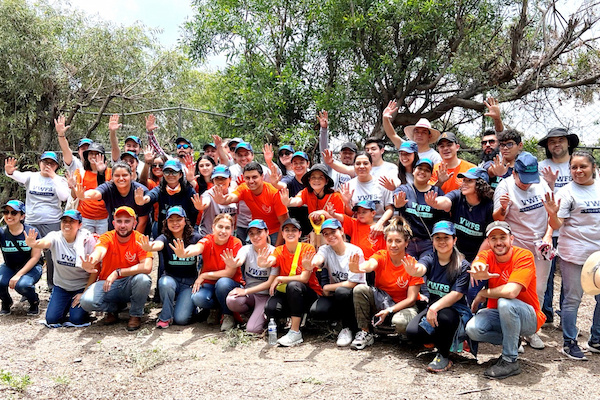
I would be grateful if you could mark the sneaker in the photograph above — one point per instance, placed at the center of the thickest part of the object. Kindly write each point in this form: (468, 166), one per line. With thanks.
(362, 340)
(344, 338)
(214, 317)
(503, 369)
(439, 364)
(572, 350)
(163, 324)
(593, 347)
(5, 310)
(228, 322)
(535, 341)
(34, 308)
(292, 338)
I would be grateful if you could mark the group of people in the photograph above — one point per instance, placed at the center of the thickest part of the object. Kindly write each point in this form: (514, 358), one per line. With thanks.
(442, 251)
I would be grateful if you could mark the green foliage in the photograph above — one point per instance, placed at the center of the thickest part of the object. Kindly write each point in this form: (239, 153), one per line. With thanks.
(15, 382)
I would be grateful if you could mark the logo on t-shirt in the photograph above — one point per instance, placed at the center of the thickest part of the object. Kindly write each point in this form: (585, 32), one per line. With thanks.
(130, 257)
(402, 283)
(504, 275)
(267, 209)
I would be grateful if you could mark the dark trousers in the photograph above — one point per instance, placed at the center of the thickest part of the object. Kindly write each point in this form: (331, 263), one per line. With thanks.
(294, 302)
(448, 320)
(339, 305)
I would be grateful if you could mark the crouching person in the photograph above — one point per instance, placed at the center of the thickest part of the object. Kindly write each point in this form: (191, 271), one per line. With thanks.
(123, 275)
(513, 309)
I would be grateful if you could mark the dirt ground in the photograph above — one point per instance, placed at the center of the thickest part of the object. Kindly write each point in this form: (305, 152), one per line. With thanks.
(198, 361)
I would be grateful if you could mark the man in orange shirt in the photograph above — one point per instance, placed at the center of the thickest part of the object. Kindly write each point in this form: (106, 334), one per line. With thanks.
(262, 198)
(513, 309)
(124, 272)
(445, 173)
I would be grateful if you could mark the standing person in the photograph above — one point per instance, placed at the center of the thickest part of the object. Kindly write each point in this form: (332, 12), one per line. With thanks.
(254, 295)
(21, 269)
(445, 174)
(123, 269)
(132, 143)
(284, 159)
(71, 163)
(489, 140)
(45, 192)
(558, 144)
(518, 200)
(221, 179)
(575, 213)
(216, 279)
(348, 152)
(93, 173)
(203, 171)
(374, 147)
(513, 309)
(69, 247)
(408, 156)
(510, 146)
(447, 284)
(178, 274)
(296, 287)
(295, 184)
(210, 150)
(337, 301)
(116, 193)
(395, 293)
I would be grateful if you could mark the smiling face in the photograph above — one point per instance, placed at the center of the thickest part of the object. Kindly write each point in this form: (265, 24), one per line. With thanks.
(69, 226)
(205, 168)
(285, 157)
(448, 150)
(124, 224)
(443, 243)
(258, 237)
(176, 223)
(500, 242)
(291, 234)
(375, 152)
(347, 156)
(222, 230)
(133, 146)
(406, 159)
(558, 146)
(317, 181)
(254, 180)
(172, 177)
(133, 163)
(467, 186)
(12, 217)
(333, 237)
(582, 170)
(211, 152)
(299, 166)
(422, 174)
(121, 178)
(365, 215)
(157, 167)
(395, 243)
(243, 157)
(362, 166)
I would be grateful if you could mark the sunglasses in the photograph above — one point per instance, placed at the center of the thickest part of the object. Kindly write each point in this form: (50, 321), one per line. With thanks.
(170, 172)
(13, 212)
(285, 153)
(183, 146)
(491, 141)
(157, 165)
(232, 148)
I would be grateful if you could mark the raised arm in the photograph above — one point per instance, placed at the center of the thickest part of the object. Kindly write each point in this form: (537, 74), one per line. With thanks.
(61, 130)
(113, 127)
(494, 113)
(388, 116)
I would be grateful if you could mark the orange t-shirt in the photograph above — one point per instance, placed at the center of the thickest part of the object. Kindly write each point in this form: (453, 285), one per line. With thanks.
(313, 203)
(120, 255)
(519, 269)
(454, 182)
(91, 209)
(360, 236)
(392, 279)
(266, 206)
(284, 262)
(211, 256)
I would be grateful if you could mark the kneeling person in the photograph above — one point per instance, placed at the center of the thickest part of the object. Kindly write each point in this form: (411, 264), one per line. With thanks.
(124, 274)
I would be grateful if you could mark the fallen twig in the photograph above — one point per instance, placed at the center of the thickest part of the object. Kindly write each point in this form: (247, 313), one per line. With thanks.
(474, 391)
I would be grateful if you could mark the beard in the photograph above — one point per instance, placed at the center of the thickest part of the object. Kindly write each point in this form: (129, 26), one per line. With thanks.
(489, 157)
(124, 235)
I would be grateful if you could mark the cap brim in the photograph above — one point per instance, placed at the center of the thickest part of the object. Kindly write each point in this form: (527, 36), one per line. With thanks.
(528, 178)
(498, 228)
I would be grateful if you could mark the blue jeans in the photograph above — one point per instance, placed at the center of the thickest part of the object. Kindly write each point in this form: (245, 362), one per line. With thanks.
(98, 226)
(176, 296)
(549, 296)
(45, 229)
(205, 297)
(504, 325)
(60, 305)
(418, 247)
(595, 331)
(25, 286)
(132, 289)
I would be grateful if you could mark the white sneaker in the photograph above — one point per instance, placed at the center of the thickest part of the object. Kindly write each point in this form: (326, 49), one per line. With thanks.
(228, 322)
(535, 341)
(292, 338)
(362, 340)
(344, 338)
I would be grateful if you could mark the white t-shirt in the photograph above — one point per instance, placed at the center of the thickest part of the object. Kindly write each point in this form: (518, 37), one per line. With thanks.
(253, 274)
(338, 179)
(386, 169)
(433, 155)
(371, 190)
(579, 236)
(68, 273)
(526, 214)
(337, 265)
(564, 173)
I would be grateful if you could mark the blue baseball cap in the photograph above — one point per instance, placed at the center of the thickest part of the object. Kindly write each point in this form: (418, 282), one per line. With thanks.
(475, 173)
(49, 155)
(211, 144)
(129, 153)
(134, 138)
(73, 214)
(83, 141)
(331, 223)
(286, 147)
(526, 166)
(446, 227)
(244, 145)
(176, 210)
(221, 171)
(300, 154)
(175, 165)
(16, 205)
(368, 204)
(409, 147)
(258, 224)
(425, 161)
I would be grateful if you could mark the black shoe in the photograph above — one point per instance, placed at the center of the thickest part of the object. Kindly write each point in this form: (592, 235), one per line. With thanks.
(34, 308)
(503, 369)
(5, 310)
(573, 351)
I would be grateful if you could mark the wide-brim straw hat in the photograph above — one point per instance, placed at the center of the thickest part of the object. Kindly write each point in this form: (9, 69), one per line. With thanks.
(422, 123)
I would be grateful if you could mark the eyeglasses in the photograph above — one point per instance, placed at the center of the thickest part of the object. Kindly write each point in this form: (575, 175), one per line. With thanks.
(170, 172)
(285, 153)
(157, 165)
(491, 141)
(507, 145)
(183, 146)
(13, 212)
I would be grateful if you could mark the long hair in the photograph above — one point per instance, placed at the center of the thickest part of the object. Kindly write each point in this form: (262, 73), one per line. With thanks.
(402, 169)
(182, 181)
(398, 224)
(454, 267)
(188, 230)
(151, 175)
(202, 184)
(483, 190)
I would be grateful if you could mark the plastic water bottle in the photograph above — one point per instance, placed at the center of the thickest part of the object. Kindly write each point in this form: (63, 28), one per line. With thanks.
(272, 329)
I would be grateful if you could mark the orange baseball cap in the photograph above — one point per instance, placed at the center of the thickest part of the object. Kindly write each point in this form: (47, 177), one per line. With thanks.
(124, 209)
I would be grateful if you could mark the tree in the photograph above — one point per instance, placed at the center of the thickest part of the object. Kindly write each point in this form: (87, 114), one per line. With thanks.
(435, 57)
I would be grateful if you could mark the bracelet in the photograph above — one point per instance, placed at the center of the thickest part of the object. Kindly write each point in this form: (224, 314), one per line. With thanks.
(118, 270)
(390, 310)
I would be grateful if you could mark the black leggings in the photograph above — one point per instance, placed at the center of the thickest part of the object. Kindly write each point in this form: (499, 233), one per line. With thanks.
(339, 305)
(295, 301)
(448, 320)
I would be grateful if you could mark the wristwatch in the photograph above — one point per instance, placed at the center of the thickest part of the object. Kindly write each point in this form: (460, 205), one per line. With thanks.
(118, 272)
(390, 310)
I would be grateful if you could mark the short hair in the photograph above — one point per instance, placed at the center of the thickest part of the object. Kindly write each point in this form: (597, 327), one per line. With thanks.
(254, 166)
(375, 140)
(122, 164)
(223, 216)
(364, 153)
(509, 134)
(489, 132)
